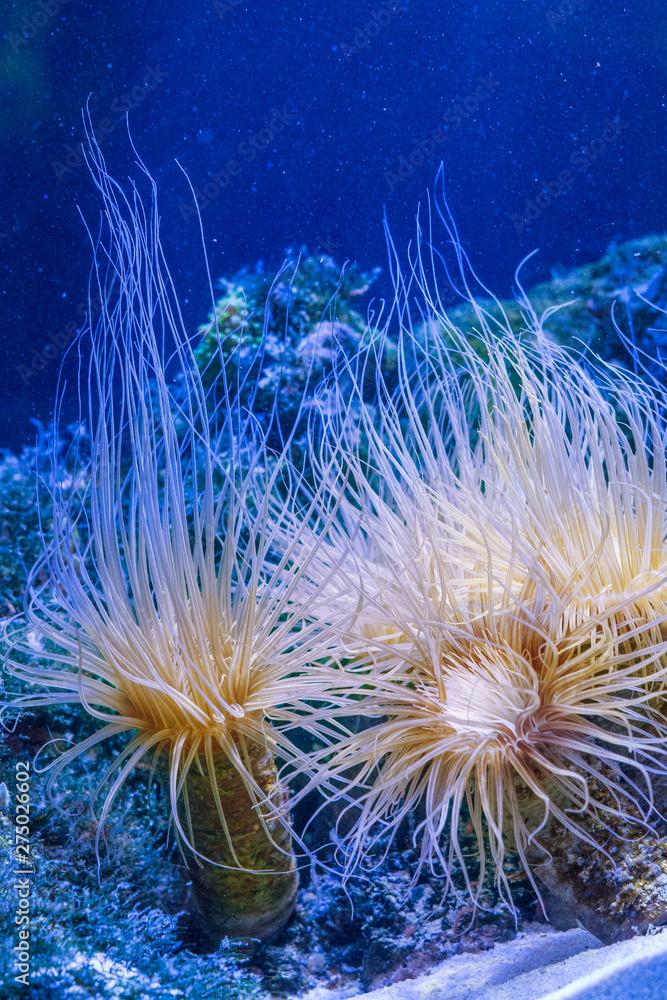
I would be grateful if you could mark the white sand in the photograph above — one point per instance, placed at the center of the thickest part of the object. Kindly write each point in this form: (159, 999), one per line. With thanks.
(546, 966)
(478, 975)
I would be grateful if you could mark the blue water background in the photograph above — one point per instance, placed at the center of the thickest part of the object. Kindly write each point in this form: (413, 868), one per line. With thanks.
(300, 123)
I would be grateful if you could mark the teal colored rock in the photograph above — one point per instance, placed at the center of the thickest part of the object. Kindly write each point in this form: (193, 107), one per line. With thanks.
(628, 286)
(284, 314)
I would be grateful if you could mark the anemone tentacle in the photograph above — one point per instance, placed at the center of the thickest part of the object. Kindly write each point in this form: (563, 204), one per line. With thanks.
(161, 604)
(502, 598)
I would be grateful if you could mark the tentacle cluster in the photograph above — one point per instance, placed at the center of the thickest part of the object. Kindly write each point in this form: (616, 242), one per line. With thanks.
(475, 564)
(504, 596)
(161, 604)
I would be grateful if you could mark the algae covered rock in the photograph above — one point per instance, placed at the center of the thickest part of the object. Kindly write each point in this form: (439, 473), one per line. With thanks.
(26, 485)
(20, 539)
(281, 333)
(627, 288)
(616, 894)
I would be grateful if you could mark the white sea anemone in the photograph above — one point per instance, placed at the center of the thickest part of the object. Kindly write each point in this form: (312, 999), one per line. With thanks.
(160, 605)
(504, 590)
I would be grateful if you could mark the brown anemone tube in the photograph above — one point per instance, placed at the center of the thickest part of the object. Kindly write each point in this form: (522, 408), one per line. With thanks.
(238, 902)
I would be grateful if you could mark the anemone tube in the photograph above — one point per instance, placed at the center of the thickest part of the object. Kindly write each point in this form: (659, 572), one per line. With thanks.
(159, 605)
(504, 605)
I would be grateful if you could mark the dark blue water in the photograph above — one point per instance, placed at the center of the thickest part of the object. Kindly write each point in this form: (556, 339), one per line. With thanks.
(298, 123)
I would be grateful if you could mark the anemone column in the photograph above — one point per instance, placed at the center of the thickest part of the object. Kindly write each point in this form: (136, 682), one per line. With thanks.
(251, 889)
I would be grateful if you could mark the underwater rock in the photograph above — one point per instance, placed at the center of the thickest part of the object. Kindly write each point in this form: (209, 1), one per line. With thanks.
(25, 511)
(631, 275)
(280, 335)
(613, 901)
(614, 896)
(281, 314)
(279, 332)
(20, 541)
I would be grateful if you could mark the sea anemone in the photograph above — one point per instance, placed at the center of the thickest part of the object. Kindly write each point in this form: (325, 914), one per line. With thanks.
(503, 717)
(568, 449)
(160, 605)
(503, 595)
(582, 471)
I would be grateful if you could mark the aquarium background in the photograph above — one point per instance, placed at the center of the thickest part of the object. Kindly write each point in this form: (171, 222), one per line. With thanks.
(301, 124)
